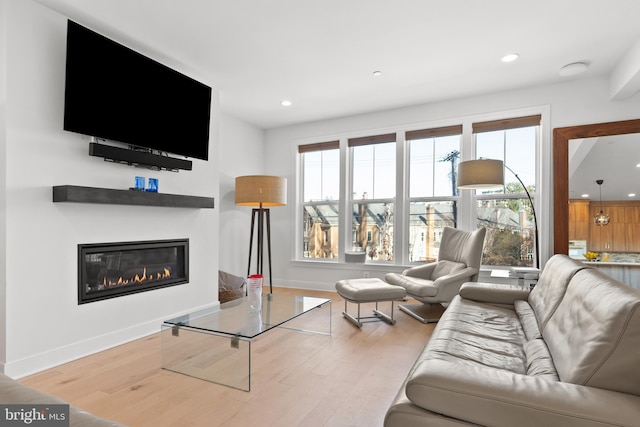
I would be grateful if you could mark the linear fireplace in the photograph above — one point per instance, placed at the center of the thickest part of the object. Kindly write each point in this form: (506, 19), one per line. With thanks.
(109, 270)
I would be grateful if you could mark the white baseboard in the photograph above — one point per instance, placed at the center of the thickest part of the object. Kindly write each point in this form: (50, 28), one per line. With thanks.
(58, 356)
(312, 286)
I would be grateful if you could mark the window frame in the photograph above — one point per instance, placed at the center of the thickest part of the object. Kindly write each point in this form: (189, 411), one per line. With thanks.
(301, 204)
(417, 135)
(352, 143)
(467, 198)
(505, 125)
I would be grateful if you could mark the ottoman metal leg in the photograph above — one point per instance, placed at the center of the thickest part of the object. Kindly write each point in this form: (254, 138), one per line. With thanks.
(378, 315)
(354, 320)
(365, 291)
(385, 317)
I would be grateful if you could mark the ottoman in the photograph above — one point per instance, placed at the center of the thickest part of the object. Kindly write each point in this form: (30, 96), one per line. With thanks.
(360, 291)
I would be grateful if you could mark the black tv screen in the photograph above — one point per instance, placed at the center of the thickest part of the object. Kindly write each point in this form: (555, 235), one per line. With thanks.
(115, 93)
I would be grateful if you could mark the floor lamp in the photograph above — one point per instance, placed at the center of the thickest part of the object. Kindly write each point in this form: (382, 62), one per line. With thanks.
(489, 173)
(263, 191)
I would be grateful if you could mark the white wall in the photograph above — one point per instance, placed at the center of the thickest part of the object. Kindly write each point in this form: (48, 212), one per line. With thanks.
(41, 324)
(241, 153)
(44, 324)
(572, 103)
(3, 168)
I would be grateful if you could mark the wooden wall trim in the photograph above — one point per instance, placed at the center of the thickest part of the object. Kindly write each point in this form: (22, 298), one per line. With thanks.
(561, 137)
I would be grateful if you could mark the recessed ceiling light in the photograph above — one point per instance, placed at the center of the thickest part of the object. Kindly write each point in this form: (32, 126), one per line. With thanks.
(377, 73)
(510, 57)
(286, 103)
(638, 165)
(632, 194)
(573, 69)
(585, 195)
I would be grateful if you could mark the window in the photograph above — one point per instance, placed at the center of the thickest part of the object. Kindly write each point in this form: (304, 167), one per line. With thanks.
(433, 197)
(373, 192)
(399, 191)
(506, 212)
(320, 171)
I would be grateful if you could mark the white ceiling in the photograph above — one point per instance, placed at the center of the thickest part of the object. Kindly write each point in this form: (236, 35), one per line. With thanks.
(613, 159)
(321, 54)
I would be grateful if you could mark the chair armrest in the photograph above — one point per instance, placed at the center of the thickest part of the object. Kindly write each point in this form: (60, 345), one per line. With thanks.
(421, 271)
(493, 293)
(456, 277)
(449, 285)
(495, 397)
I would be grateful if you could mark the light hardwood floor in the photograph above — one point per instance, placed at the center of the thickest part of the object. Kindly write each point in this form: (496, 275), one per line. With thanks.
(298, 379)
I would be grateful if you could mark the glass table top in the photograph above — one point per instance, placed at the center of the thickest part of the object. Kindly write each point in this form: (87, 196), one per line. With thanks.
(236, 319)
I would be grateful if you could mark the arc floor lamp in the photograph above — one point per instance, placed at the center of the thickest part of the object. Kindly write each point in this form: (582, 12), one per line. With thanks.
(488, 173)
(263, 191)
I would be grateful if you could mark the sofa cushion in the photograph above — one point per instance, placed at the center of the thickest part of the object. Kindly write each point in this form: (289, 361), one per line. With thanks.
(594, 335)
(528, 319)
(478, 334)
(539, 362)
(552, 285)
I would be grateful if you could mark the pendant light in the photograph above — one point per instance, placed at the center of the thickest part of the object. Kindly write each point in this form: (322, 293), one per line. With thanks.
(601, 219)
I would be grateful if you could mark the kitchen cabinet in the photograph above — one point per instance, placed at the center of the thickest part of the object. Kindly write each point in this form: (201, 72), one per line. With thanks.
(622, 234)
(579, 220)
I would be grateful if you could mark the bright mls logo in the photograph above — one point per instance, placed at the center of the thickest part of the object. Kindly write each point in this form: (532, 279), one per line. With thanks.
(34, 415)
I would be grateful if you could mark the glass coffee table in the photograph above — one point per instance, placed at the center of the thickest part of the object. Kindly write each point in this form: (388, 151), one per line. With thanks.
(214, 344)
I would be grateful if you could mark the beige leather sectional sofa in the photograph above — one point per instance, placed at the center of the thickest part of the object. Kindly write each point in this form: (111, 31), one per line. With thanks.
(566, 354)
(12, 392)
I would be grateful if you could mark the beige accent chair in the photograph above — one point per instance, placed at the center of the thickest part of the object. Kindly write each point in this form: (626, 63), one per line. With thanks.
(438, 282)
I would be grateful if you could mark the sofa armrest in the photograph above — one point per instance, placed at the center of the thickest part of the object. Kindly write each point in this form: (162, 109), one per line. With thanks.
(493, 293)
(495, 397)
(14, 392)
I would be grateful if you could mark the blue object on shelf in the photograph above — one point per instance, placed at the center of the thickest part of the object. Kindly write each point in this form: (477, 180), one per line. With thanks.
(153, 185)
(139, 183)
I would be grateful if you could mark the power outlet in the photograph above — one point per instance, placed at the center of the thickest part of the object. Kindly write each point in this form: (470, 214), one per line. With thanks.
(365, 274)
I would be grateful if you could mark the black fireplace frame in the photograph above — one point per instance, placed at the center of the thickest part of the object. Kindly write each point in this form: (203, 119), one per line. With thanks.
(85, 297)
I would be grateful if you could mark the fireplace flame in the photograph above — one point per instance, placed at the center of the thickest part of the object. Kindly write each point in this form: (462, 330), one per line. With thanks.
(121, 281)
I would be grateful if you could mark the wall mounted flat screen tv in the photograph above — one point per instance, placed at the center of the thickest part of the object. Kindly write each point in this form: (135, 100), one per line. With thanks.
(115, 93)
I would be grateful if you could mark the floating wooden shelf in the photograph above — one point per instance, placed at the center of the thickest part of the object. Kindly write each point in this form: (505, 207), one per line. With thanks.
(77, 194)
